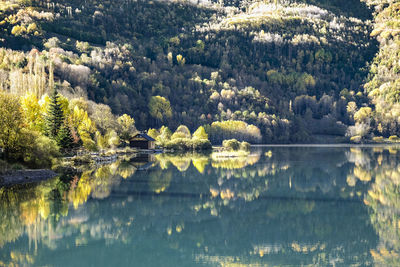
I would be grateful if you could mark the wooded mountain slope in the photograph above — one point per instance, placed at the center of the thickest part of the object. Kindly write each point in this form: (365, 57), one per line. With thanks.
(295, 69)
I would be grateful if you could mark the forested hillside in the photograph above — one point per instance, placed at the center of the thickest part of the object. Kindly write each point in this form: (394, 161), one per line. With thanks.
(383, 85)
(294, 69)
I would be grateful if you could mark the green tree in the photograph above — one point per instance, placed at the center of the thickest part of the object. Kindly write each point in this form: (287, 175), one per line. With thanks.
(101, 141)
(126, 127)
(11, 123)
(181, 60)
(64, 137)
(363, 115)
(200, 133)
(32, 111)
(164, 136)
(160, 108)
(153, 133)
(182, 132)
(113, 139)
(55, 116)
(38, 150)
(200, 139)
(85, 127)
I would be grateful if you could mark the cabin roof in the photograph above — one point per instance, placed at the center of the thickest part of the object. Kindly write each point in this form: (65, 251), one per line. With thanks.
(143, 135)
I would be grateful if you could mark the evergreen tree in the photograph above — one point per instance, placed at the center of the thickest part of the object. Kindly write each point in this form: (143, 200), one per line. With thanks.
(64, 137)
(55, 116)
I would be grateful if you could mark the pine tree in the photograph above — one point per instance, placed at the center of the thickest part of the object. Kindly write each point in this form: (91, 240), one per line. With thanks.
(64, 137)
(55, 116)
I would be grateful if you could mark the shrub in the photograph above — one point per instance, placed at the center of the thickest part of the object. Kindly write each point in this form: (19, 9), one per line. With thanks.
(378, 139)
(179, 144)
(360, 129)
(394, 138)
(355, 139)
(231, 144)
(201, 144)
(40, 151)
(245, 146)
(17, 166)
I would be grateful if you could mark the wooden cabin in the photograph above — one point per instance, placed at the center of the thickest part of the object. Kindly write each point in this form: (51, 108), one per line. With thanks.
(142, 141)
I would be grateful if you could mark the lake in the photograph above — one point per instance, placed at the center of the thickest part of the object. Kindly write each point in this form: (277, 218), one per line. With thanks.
(277, 206)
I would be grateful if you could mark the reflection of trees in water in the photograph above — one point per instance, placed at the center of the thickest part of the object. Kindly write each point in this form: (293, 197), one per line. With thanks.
(290, 172)
(36, 210)
(125, 169)
(11, 226)
(103, 179)
(246, 185)
(80, 192)
(286, 174)
(383, 198)
(239, 162)
(182, 161)
(200, 161)
(315, 173)
(159, 180)
(98, 182)
(269, 196)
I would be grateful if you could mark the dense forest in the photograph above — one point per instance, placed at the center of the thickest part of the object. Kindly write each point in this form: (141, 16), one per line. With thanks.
(258, 71)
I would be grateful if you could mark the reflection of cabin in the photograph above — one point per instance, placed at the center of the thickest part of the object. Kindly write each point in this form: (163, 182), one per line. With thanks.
(143, 161)
(143, 141)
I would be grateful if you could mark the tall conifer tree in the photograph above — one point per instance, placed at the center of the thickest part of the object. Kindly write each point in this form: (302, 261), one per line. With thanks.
(55, 116)
(64, 137)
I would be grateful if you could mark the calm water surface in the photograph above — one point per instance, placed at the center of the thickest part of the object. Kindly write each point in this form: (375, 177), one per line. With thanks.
(279, 206)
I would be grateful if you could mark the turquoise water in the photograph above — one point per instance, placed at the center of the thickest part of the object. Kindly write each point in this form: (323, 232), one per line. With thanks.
(278, 206)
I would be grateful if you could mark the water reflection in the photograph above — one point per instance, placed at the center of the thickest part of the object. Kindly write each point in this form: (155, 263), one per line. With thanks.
(275, 206)
(384, 199)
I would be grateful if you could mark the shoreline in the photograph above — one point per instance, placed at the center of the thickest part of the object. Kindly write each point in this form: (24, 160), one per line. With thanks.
(328, 145)
(27, 176)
